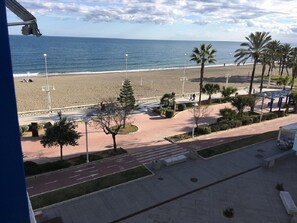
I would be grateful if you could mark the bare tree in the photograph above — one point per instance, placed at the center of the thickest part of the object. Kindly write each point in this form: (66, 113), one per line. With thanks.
(200, 112)
(110, 119)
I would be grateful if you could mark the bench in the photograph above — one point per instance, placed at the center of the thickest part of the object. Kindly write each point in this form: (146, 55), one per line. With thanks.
(270, 161)
(175, 159)
(288, 202)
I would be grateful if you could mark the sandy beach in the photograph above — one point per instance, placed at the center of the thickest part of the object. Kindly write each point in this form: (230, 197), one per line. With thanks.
(81, 89)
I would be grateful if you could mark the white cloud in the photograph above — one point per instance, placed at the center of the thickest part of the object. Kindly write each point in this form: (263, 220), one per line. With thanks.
(269, 15)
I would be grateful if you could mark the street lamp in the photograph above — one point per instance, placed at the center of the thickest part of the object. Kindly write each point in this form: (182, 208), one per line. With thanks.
(194, 121)
(183, 79)
(126, 63)
(86, 120)
(228, 74)
(47, 87)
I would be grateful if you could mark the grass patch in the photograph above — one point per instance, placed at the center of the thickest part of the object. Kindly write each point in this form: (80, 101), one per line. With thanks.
(88, 187)
(128, 129)
(209, 152)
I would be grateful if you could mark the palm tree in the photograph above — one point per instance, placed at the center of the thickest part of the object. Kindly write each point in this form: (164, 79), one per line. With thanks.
(210, 89)
(273, 51)
(285, 52)
(254, 48)
(203, 55)
(293, 65)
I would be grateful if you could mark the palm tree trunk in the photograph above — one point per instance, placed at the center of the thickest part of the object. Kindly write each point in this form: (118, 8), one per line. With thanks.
(114, 141)
(294, 73)
(253, 75)
(262, 77)
(61, 152)
(201, 81)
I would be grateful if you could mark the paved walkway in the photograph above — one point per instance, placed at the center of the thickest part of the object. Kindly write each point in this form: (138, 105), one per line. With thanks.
(144, 146)
(172, 195)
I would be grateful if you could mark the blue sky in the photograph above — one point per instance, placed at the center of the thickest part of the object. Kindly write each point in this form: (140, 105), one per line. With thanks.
(218, 20)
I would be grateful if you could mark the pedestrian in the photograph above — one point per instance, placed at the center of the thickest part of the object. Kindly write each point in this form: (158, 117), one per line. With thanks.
(193, 97)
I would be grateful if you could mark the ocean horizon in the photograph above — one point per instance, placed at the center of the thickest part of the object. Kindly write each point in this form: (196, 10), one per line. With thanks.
(82, 55)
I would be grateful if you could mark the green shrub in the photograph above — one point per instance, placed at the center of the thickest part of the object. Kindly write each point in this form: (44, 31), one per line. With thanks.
(247, 120)
(235, 123)
(224, 126)
(269, 116)
(181, 107)
(203, 129)
(227, 113)
(215, 127)
(25, 128)
(279, 113)
(47, 124)
(169, 113)
(256, 118)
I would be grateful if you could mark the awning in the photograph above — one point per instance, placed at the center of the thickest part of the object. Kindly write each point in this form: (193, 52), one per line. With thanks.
(28, 20)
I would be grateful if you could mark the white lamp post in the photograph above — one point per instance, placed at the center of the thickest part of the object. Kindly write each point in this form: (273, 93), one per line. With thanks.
(194, 120)
(47, 87)
(86, 120)
(126, 64)
(183, 79)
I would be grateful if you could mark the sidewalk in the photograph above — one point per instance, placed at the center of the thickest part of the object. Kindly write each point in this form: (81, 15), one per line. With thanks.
(144, 153)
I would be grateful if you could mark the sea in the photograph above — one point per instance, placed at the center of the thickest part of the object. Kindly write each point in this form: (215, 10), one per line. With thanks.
(78, 55)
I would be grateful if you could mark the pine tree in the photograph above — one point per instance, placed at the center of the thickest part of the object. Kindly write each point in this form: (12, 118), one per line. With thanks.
(126, 99)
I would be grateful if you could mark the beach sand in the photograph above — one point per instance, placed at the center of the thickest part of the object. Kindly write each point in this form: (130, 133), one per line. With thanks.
(82, 89)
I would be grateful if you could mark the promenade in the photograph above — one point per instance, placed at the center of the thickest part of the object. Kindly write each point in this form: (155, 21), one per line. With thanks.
(170, 184)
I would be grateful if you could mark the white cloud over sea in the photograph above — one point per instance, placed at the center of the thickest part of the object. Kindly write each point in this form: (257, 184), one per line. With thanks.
(224, 17)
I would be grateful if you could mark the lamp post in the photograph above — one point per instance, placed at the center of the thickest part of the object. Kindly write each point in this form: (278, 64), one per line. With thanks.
(126, 64)
(47, 87)
(183, 79)
(228, 74)
(86, 120)
(194, 121)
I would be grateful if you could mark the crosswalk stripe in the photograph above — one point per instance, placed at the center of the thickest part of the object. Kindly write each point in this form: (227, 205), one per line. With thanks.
(160, 153)
(154, 150)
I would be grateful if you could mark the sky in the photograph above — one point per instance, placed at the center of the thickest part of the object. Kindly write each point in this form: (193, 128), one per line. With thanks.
(208, 20)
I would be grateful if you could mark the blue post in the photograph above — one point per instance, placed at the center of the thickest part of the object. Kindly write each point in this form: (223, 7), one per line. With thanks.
(14, 204)
(271, 104)
(280, 100)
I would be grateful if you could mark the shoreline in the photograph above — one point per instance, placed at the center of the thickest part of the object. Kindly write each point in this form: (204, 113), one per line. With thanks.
(92, 88)
(36, 74)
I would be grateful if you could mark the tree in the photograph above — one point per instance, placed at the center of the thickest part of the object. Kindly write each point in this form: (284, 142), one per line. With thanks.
(283, 81)
(240, 102)
(126, 99)
(254, 48)
(293, 65)
(168, 100)
(203, 55)
(285, 50)
(210, 89)
(273, 52)
(200, 112)
(228, 91)
(61, 134)
(111, 119)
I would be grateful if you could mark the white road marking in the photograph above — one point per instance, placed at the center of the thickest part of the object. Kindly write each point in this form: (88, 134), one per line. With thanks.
(51, 182)
(74, 176)
(81, 170)
(82, 178)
